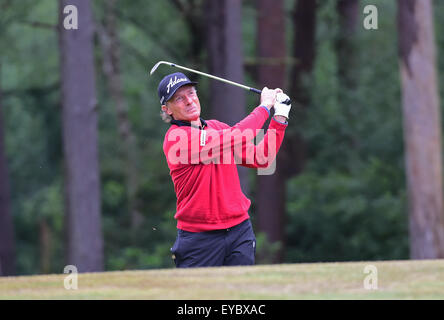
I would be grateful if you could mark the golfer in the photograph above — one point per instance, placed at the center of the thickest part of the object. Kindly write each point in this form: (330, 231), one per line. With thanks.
(213, 223)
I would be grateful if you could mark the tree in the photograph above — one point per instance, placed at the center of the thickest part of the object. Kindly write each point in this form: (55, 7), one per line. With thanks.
(7, 243)
(110, 45)
(193, 13)
(294, 148)
(271, 52)
(79, 122)
(422, 128)
(225, 59)
(347, 52)
(348, 12)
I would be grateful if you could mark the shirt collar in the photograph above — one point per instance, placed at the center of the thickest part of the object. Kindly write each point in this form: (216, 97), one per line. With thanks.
(182, 123)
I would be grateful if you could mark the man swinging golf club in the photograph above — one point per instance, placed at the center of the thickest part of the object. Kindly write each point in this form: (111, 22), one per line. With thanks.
(213, 223)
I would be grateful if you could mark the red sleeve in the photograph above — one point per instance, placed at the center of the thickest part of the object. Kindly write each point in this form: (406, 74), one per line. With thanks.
(189, 145)
(263, 154)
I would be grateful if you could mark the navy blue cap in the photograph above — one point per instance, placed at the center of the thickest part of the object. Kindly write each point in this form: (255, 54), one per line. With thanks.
(169, 85)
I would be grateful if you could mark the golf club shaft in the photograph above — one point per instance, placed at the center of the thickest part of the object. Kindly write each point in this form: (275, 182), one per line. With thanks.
(217, 78)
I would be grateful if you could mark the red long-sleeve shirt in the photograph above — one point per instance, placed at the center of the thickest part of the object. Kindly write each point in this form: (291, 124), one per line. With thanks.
(203, 168)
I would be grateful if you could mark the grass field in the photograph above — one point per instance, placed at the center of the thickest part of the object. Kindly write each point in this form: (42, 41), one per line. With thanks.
(395, 280)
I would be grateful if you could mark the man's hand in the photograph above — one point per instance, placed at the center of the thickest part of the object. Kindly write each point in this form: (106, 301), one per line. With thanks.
(282, 105)
(268, 97)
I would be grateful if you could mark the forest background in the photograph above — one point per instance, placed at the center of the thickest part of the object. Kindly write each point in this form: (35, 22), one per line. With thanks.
(340, 192)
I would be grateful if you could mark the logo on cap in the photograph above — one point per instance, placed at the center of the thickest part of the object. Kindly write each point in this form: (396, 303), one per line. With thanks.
(173, 83)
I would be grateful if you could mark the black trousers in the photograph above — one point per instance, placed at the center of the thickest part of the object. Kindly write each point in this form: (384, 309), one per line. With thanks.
(227, 247)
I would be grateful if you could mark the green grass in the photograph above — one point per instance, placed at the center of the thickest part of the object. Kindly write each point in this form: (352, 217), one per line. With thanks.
(410, 279)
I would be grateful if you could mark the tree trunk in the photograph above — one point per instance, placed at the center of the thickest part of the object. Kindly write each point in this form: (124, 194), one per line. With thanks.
(348, 12)
(347, 56)
(294, 149)
(193, 15)
(7, 244)
(225, 59)
(270, 198)
(45, 246)
(111, 67)
(79, 122)
(422, 128)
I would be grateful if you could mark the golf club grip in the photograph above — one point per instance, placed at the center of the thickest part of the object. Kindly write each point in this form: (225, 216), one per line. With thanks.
(256, 90)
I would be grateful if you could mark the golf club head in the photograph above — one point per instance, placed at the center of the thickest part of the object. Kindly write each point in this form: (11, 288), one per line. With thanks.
(157, 65)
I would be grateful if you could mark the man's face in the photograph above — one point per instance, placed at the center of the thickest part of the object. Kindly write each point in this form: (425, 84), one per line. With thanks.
(184, 104)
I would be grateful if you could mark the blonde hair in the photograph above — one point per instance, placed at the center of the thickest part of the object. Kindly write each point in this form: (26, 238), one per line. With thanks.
(165, 116)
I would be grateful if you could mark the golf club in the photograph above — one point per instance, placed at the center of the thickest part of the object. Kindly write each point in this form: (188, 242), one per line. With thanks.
(204, 74)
